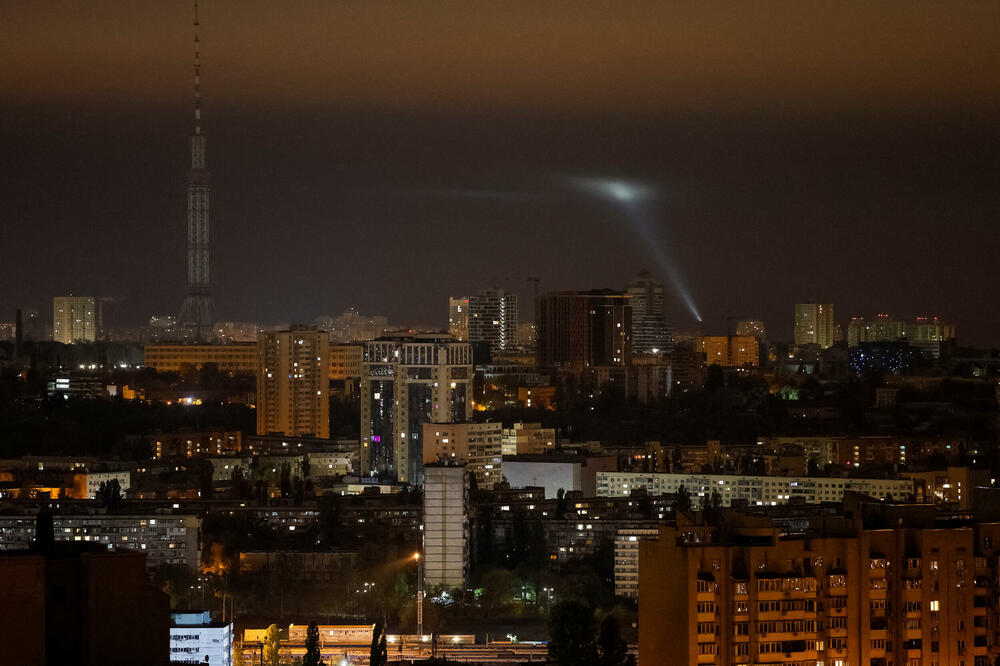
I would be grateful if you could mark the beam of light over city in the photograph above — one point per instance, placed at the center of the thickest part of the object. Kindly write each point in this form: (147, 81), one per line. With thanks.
(632, 200)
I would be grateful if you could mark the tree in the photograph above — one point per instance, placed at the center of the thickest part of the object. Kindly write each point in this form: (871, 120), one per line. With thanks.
(682, 499)
(614, 650)
(272, 646)
(713, 510)
(110, 494)
(312, 655)
(571, 631)
(379, 652)
(238, 659)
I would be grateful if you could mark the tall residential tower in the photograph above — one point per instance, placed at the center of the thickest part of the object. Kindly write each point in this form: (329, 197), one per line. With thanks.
(197, 310)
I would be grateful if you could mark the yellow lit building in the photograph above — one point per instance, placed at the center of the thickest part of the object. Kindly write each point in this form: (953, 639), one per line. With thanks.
(881, 585)
(237, 358)
(478, 444)
(293, 387)
(345, 362)
(729, 351)
(74, 319)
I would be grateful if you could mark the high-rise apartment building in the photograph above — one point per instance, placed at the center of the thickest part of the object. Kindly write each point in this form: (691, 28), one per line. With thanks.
(581, 329)
(880, 585)
(446, 526)
(477, 444)
(458, 318)
(293, 382)
(74, 319)
(651, 332)
(406, 381)
(814, 324)
(492, 318)
(924, 333)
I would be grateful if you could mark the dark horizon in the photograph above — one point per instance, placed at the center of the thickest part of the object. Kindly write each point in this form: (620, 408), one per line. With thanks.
(863, 177)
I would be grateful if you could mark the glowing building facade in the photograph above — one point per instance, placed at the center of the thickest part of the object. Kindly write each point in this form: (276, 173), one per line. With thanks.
(74, 319)
(814, 324)
(866, 588)
(293, 383)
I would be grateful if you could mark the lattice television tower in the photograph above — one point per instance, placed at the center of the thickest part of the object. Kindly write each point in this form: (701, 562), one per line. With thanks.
(197, 310)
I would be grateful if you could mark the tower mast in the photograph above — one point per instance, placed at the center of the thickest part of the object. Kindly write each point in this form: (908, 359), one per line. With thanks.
(197, 310)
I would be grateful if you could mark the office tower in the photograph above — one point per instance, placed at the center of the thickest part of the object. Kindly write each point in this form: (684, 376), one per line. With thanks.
(406, 381)
(814, 324)
(581, 329)
(293, 382)
(493, 319)
(197, 309)
(878, 586)
(729, 351)
(477, 444)
(651, 332)
(458, 318)
(446, 526)
(74, 319)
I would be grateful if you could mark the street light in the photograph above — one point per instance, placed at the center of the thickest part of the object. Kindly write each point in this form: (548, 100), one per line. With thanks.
(420, 593)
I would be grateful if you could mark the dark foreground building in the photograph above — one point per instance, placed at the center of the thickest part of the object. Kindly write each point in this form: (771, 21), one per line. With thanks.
(80, 604)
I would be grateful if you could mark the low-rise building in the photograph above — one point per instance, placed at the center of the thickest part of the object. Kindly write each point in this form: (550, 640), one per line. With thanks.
(236, 359)
(196, 639)
(528, 438)
(88, 484)
(751, 490)
(554, 473)
(164, 539)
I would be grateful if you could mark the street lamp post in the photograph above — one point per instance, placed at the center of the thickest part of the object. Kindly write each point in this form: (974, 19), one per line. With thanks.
(420, 594)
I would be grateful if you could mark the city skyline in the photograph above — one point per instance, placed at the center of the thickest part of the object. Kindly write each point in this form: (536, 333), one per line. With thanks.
(572, 332)
(755, 193)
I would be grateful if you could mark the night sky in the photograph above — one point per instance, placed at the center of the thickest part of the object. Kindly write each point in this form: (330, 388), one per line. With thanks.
(388, 155)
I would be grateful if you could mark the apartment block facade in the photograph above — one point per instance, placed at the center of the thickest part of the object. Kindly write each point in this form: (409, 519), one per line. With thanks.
(886, 595)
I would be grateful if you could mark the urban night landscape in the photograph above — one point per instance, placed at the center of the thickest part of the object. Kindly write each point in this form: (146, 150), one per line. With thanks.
(578, 333)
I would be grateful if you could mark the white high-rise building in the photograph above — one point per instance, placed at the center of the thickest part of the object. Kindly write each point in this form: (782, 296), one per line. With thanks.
(446, 526)
(814, 324)
(293, 383)
(74, 319)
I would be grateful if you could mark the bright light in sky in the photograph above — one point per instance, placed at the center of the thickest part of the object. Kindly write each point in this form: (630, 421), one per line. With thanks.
(621, 191)
(631, 199)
